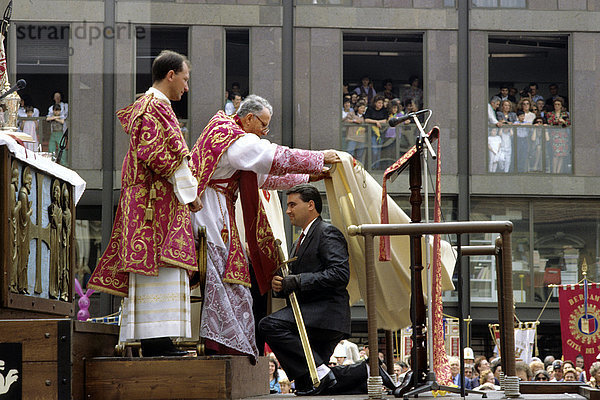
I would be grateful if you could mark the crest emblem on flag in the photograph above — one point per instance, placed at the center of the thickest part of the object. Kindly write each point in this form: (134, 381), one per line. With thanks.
(584, 326)
(579, 317)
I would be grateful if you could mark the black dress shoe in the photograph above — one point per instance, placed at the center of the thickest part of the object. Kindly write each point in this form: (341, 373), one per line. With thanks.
(160, 347)
(327, 382)
(388, 381)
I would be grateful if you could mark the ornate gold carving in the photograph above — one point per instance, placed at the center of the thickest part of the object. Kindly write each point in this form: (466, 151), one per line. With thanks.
(23, 232)
(14, 207)
(56, 219)
(65, 270)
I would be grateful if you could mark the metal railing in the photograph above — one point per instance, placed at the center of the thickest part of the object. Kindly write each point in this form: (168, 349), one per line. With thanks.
(515, 149)
(377, 148)
(524, 149)
(45, 138)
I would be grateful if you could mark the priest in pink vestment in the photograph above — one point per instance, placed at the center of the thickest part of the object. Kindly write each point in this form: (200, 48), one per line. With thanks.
(230, 157)
(151, 245)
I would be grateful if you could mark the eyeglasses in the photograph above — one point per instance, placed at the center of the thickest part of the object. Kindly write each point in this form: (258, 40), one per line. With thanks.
(265, 128)
(541, 378)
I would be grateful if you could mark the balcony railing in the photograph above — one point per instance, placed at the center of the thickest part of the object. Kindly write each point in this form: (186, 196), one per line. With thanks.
(377, 148)
(516, 149)
(46, 138)
(522, 149)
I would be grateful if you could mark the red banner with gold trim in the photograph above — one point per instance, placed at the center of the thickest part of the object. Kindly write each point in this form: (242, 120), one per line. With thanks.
(579, 321)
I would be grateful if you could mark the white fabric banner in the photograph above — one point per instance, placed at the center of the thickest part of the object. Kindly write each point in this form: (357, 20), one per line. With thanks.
(524, 343)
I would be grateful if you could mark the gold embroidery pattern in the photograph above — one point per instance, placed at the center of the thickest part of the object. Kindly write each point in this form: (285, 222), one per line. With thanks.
(137, 244)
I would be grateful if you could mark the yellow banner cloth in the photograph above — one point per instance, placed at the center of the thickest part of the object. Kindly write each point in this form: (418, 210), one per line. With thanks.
(354, 198)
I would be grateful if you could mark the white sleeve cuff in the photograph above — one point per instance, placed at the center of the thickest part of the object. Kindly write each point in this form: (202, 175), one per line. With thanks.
(184, 183)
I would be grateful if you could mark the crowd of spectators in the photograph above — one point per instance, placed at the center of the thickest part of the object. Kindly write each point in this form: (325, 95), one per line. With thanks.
(483, 374)
(29, 122)
(525, 115)
(480, 373)
(346, 353)
(366, 112)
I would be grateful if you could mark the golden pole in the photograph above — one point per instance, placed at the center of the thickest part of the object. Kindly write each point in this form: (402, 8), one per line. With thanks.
(310, 360)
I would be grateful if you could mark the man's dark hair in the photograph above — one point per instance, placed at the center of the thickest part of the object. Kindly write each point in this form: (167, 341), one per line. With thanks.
(496, 362)
(307, 193)
(166, 61)
(533, 84)
(412, 78)
(56, 107)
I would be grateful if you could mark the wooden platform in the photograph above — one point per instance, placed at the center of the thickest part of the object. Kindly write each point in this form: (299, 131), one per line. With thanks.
(529, 391)
(52, 353)
(215, 377)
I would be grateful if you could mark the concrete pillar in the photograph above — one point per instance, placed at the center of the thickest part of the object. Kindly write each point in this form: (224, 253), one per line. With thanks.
(265, 72)
(440, 86)
(124, 90)
(85, 106)
(325, 88)
(478, 66)
(207, 78)
(585, 128)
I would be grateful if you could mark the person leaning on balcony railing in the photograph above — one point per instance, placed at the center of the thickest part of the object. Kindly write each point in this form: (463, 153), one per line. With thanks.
(492, 109)
(559, 137)
(535, 147)
(505, 112)
(507, 117)
(347, 112)
(356, 135)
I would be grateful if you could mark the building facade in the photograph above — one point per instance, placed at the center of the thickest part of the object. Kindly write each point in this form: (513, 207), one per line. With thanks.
(300, 54)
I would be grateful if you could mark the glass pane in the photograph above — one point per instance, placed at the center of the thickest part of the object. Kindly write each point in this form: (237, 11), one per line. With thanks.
(376, 147)
(566, 234)
(88, 239)
(483, 268)
(485, 3)
(558, 150)
(513, 3)
(528, 148)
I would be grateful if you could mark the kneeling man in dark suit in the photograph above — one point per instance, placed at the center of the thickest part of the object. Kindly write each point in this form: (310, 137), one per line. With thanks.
(319, 277)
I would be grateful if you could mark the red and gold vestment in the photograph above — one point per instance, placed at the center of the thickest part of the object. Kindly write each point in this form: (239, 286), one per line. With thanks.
(152, 228)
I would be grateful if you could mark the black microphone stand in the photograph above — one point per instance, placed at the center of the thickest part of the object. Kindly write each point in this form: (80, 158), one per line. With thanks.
(422, 379)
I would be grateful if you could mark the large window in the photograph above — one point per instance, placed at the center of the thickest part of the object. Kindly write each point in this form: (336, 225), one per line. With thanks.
(551, 241)
(237, 68)
(148, 46)
(528, 112)
(43, 62)
(382, 78)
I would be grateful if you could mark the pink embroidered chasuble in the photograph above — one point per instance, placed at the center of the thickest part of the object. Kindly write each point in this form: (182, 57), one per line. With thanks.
(225, 160)
(152, 228)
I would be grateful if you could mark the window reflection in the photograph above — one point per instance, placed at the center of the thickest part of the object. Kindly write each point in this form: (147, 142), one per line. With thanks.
(483, 268)
(566, 235)
(88, 238)
(550, 242)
